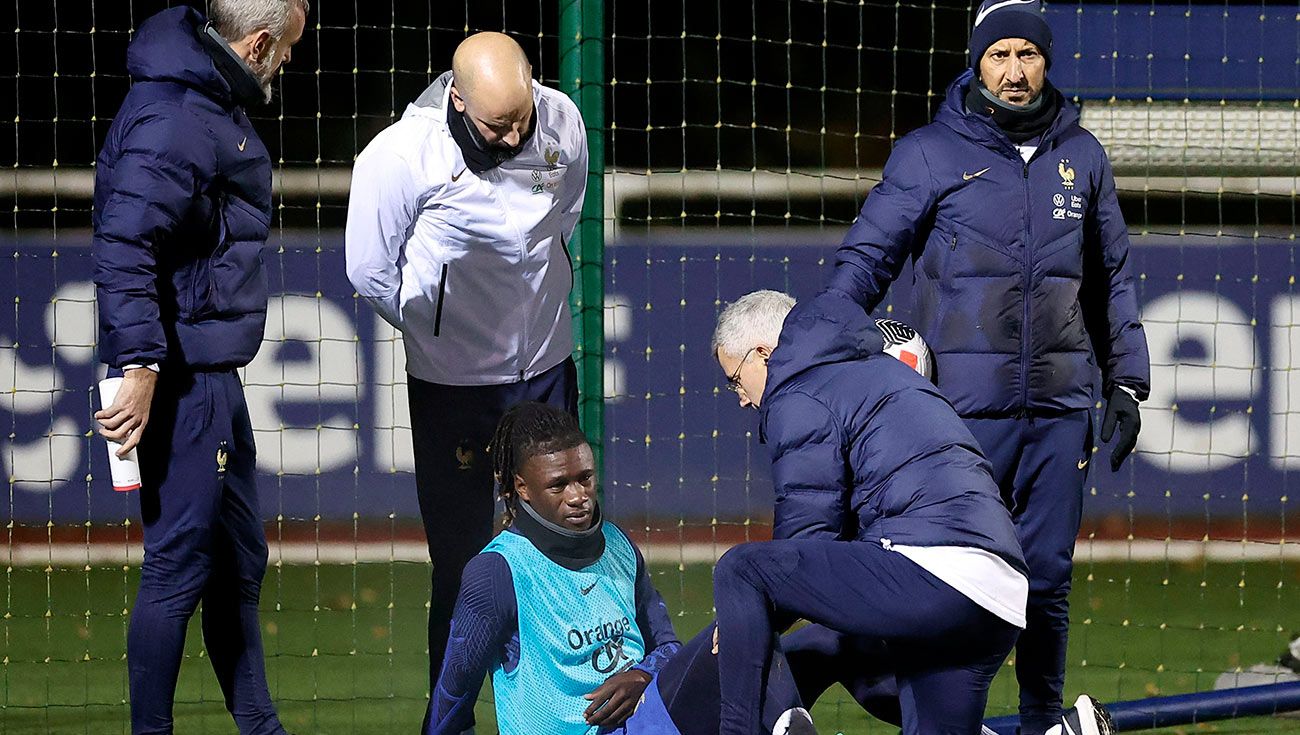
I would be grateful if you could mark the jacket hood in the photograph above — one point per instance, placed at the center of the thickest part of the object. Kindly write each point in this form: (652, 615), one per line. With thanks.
(167, 49)
(952, 113)
(830, 328)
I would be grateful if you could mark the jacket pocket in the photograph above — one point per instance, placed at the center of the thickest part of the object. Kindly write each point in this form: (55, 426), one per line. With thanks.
(442, 295)
(943, 286)
(231, 281)
(237, 280)
(1072, 242)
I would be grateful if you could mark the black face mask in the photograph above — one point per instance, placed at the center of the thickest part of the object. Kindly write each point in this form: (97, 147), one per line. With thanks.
(572, 550)
(479, 155)
(1020, 123)
(244, 87)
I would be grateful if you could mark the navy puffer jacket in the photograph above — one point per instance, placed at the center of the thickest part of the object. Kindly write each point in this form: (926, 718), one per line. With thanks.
(865, 449)
(182, 210)
(1022, 282)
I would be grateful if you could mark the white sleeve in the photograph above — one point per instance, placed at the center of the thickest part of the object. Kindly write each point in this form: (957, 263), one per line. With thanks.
(382, 206)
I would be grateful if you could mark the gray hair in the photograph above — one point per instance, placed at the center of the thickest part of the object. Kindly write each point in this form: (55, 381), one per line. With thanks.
(753, 319)
(235, 19)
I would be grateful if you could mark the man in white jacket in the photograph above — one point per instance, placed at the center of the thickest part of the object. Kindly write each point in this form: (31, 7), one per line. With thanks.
(457, 233)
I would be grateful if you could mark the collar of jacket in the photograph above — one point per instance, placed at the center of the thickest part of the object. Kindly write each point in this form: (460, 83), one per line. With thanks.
(478, 155)
(244, 87)
(572, 550)
(982, 130)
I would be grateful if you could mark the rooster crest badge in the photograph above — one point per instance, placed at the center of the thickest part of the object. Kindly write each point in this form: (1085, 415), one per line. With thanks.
(1066, 172)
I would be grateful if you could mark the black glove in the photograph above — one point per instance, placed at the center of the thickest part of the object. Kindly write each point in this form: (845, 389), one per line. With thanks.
(1122, 409)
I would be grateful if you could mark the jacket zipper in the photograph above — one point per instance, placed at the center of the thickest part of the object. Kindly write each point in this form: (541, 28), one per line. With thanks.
(1026, 330)
(520, 370)
(442, 293)
(573, 276)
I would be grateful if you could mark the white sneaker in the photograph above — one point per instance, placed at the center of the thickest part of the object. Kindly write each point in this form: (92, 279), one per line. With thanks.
(1086, 717)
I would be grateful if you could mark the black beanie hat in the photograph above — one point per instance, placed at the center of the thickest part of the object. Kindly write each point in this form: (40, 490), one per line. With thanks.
(999, 19)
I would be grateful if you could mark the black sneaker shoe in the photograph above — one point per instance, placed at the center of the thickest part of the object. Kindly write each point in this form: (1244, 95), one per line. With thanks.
(1087, 717)
(795, 721)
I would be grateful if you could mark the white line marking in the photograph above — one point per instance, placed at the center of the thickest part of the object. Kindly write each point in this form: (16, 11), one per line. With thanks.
(382, 552)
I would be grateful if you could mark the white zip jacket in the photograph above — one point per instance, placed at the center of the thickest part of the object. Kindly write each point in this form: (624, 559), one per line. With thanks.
(474, 270)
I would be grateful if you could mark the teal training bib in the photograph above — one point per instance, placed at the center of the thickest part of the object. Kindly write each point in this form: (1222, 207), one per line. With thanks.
(576, 629)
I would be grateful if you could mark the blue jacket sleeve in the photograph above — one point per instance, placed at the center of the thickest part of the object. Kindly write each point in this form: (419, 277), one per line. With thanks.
(485, 618)
(1108, 295)
(165, 158)
(881, 239)
(809, 468)
(652, 619)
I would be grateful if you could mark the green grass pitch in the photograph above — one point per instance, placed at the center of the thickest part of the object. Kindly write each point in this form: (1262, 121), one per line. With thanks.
(345, 644)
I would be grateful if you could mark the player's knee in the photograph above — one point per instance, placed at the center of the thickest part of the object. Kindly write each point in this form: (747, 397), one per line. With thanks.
(736, 564)
(812, 640)
(174, 588)
(250, 582)
(253, 561)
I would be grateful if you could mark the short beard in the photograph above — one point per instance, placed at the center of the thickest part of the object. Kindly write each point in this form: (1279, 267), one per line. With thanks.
(1029, 96)
(264, 71)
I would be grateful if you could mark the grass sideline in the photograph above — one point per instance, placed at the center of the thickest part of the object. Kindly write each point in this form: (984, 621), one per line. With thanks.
(345, 644)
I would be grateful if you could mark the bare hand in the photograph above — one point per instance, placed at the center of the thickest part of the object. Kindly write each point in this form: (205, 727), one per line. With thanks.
(616, 699)
(124, 421)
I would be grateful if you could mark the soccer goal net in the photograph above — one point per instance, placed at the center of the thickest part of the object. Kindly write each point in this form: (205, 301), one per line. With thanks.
(739, 141)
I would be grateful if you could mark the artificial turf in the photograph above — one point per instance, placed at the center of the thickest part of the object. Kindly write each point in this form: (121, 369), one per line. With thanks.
(345, 645)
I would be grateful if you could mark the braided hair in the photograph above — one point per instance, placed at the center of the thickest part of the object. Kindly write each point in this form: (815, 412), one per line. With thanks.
(525, 431)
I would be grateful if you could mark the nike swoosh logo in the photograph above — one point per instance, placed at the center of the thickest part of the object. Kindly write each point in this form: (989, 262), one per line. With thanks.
(456, 177)
(967, 177)
(1083, 463)
(243, 143)
(985, 13)
(588, 589)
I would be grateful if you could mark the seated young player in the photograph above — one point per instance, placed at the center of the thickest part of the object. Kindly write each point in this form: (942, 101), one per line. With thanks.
(560, 611)
(558, 608)
(887, 525)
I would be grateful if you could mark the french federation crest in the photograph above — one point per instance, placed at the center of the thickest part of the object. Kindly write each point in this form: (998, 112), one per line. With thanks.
(1066, 172)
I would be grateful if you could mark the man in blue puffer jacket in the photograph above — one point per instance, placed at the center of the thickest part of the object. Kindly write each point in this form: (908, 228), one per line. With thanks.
(182, 210)
(887, 525)
(1007, 209)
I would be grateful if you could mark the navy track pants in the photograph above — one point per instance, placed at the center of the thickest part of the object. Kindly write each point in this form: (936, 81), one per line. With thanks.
(203, 541)
(1040, 463)
(943, 648)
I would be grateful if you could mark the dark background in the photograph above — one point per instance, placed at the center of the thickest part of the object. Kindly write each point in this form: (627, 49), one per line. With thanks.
(771, 63)
(692, 85)
(765, 84)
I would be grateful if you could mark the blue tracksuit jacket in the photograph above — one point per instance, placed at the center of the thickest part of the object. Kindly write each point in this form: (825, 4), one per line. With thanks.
(182, 210)
(1022, 282)
(863, 448)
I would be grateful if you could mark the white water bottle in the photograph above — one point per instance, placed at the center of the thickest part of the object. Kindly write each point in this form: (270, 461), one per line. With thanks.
(125, 470)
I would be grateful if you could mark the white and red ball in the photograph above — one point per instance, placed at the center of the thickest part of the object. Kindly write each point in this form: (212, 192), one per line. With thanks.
(906, 344)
